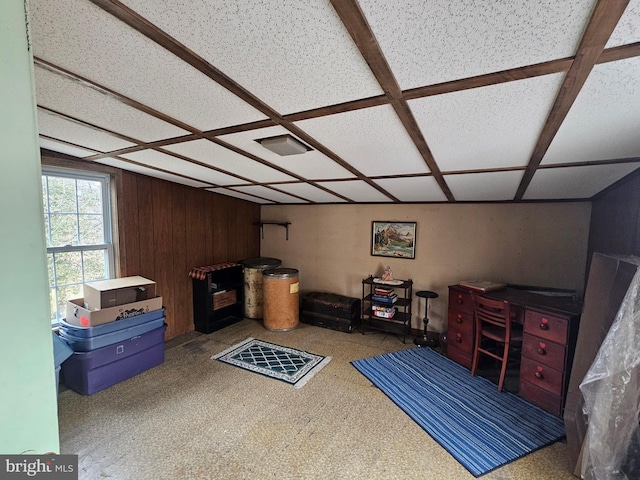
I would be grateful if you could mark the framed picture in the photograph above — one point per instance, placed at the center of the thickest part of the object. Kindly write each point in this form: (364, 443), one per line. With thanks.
(393, 239)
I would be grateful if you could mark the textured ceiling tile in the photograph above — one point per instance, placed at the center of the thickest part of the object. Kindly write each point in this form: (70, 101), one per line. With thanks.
(603, 121)
(313, 164)
(57, 127)
(213, 154)
(413, 189)
(373, 140)
(441, 40)
(150, 172)
(64, 148)
(356, 190)
(293, 55)
(80, 37)
(72, 98)
(488, 127)
(485, 186)
(173, 164)
(269, 194)
(575, 182)
(232, 193)
(311, 193)
(628, 28)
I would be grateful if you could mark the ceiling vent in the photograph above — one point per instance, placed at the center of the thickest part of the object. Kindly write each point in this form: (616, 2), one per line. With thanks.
(284, 145)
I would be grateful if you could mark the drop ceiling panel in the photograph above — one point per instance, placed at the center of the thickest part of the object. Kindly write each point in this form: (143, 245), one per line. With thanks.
(72, 98)
(488, 127)
(232, 193)
(485, 186)
(60, 128)
(413, 189)
(311, 193)
(65, 148)
(603, 121)
(313, 164)
(114, 162)
(373, 140)
(304, 55)
(440, 40)
(628, 28)
(172, 164)
(215, 155)
(575, 182)
(356, 190)
(269, 194)
(80, 37)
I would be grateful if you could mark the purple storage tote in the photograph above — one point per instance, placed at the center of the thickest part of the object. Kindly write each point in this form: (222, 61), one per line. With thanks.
(90, 372)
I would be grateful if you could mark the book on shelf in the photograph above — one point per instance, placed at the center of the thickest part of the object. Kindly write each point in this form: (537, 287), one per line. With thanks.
(389, 300)
(386, 313)
(383, 292)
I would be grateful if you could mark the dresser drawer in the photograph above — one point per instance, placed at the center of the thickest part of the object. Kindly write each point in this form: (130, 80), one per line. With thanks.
(460, 357)
(541, 350)
(546, 326)
(460, 339)
(541, 375)
(460, 321)
(546, 400)
(460, 300)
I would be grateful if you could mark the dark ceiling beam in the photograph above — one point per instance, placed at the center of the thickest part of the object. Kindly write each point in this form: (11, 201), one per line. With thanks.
(620, 53)
(356, 24)
(113, 94)
(151, 31)
(603, 21)
(495, 78)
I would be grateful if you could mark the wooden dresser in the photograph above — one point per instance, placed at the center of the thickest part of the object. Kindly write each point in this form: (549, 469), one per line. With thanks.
(550, 332)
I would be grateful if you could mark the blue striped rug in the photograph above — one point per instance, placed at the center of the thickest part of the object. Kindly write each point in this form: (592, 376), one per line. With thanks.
(482, 428)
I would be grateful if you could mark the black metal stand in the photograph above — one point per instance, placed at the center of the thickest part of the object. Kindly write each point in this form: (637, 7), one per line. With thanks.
(425, 341)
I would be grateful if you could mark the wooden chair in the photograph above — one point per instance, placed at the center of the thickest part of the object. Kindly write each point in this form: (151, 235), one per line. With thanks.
(493, 327)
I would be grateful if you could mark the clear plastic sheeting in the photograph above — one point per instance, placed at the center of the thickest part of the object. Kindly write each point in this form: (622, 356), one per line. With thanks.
(611, 391)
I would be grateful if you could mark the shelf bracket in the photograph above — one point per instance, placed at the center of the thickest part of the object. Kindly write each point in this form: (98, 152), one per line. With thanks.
(282, 224)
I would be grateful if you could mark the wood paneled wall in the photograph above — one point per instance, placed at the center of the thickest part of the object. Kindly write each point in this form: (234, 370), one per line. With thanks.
(165, 229)
(615, 220)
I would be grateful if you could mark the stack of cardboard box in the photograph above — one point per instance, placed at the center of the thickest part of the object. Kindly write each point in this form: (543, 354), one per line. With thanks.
(116, 331)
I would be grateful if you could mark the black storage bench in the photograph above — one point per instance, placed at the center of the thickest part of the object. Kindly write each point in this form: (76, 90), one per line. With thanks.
(331, 310)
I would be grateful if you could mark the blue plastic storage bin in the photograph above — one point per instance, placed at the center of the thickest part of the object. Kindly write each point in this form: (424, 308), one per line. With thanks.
(61, 350)
(80, 344)
(85, 332)
(90, 372)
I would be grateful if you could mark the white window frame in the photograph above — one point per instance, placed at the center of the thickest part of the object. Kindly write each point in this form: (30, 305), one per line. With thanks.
(107, 246)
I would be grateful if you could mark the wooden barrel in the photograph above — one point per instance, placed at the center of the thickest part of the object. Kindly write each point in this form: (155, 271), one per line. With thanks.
(253, 291)
(281, 305)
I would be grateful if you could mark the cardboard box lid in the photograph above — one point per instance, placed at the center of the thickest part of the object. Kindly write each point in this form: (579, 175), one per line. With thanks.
(115, 283)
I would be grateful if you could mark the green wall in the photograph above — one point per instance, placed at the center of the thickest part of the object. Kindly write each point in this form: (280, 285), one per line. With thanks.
(28, 403)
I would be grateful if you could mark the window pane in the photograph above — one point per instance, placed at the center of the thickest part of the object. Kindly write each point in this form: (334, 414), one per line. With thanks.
(64, 229)
(52, 302)
(68, 267)
(89, 196)
(47, 228)
(62, 195)
(95, 265)
(91, 232)
(50, 269)
(64, 294)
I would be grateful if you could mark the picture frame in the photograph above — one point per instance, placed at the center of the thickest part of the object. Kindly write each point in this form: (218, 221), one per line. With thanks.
(393, 239)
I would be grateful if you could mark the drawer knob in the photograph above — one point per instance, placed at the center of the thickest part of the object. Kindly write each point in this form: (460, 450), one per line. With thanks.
(459, 318)
(458, 338)
(538, 373)
(541, 349)
(544, 324)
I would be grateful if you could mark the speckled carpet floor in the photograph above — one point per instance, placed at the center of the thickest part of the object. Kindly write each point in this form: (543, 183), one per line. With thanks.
(196, 418)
